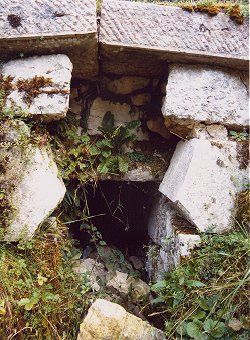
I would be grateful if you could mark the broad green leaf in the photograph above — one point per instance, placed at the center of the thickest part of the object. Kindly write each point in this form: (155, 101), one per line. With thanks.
(23, 302)
(194, 283)
(123, 164)
(108, 121)
(102, 168)
(104, 142)
(2, 310)
(133, 124)
(199, 315)
(214, 328)
(203, 304)
(158, 285)
(2, 303)
(181, 280)
(48, 296)
(182, 328)
(157, 300)
(94, 151)
(41, 279)
(106, 154)
(194, 329)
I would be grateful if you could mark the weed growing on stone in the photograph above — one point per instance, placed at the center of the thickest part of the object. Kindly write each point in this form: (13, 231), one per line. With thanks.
(40, 295)
(206, 297)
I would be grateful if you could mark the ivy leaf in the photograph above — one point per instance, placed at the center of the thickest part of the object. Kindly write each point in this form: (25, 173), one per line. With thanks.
(123, 164)
(194, 329)
(181, 280)
(159, 299)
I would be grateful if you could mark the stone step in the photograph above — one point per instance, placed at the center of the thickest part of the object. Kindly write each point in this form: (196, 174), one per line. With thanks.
(49, 27)
(139, 38)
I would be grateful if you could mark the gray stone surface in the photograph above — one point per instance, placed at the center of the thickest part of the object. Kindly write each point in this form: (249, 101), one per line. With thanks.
(196, 93)
(106, 320)
(51, 101)
(142, 37)
(202, 181)
(48, 27)
(38, 189)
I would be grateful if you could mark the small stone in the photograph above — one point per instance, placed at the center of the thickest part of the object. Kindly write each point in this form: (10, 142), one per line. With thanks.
(126, 85)
(125, 285)
(95, 269)
(214, 131)
(140, 99)
(137, 263)
(157, 126)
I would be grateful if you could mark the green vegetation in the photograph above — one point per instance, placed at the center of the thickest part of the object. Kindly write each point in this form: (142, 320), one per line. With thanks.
(239, 136)
(40, 295)
(237, 9)
(207, 296)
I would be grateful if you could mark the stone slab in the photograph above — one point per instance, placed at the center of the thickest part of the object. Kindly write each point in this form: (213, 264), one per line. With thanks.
(106, 320)
(211, 95)
(202, 182)
(37, 193)
(47, 27)
(39, 85)
(141, 38)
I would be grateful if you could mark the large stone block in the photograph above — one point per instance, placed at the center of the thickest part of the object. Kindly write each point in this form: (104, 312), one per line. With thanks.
(202, 181)
(196, 93)
(32, 187)
(48, 27)
(142, 38)
(107, 320)
(39, 85)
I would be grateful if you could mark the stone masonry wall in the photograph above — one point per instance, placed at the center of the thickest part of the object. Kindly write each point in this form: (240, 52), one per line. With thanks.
(184, 75)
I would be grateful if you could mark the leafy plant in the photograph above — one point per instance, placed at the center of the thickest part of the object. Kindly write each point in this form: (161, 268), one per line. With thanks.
(204, 294)
(40, 295)
(239, 136)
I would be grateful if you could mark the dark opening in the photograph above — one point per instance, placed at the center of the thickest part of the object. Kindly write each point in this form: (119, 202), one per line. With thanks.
(121, 211)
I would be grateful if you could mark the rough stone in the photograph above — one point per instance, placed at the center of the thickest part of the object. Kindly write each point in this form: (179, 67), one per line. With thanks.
(140, 99)
(144, 37)
(202, 181)
(165, 228)
(107, 320)
(52, 101)
(214, 131)
(51, 27)
(125, 85)
(123, 113)
(157, 126)
(37, 193)
(95, 270)
(127, 285)
(196, 93)
(137, 263)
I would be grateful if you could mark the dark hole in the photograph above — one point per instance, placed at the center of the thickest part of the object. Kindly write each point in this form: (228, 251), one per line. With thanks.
(14, 20)
(123, 209)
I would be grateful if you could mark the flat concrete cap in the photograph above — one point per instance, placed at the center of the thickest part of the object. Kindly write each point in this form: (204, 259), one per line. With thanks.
(50, 26)
(172, 34)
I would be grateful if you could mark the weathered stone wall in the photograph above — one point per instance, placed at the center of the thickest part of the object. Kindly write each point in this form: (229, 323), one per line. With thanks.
(182, 74)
